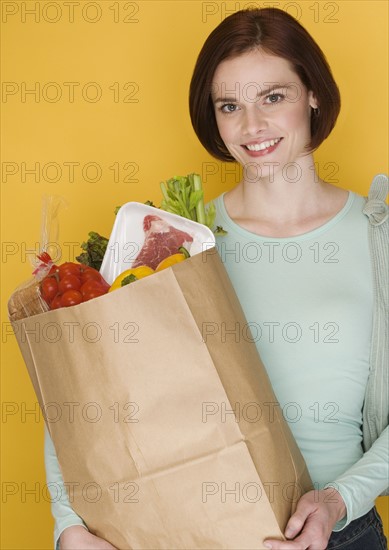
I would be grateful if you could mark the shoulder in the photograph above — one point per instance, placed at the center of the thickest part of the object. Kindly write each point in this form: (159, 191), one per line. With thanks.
(222, 217)
(218, 201)
(375, 207)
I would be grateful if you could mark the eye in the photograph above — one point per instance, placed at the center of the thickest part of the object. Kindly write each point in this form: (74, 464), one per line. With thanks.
(274, 98)
(228, 108)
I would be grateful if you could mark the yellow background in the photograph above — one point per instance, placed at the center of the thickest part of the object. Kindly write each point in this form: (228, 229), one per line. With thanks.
(137, 135)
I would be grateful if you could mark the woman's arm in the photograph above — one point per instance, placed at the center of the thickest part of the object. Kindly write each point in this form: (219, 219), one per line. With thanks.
(365, 480)
(78, 538)
(70, 532)
(318, 513)
(61, 509)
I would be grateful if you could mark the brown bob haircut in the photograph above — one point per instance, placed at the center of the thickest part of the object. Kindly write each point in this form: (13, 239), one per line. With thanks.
(276, 33)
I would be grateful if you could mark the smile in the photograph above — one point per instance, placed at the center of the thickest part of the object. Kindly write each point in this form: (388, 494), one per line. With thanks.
(262, 146)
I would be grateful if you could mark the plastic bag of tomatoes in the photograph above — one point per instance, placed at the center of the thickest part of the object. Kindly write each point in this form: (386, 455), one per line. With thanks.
(55, 286)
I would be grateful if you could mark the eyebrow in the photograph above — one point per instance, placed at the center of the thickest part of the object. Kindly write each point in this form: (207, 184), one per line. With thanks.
(227, 99)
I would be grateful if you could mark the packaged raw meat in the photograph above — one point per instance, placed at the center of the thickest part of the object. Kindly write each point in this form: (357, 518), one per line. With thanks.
(144, 235)
(161, 240)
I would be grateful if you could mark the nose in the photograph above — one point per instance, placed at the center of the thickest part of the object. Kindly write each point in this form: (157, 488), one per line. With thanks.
(254, 120)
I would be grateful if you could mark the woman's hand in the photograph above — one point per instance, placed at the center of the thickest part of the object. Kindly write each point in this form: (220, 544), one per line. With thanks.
(311, 525)
(77, 537)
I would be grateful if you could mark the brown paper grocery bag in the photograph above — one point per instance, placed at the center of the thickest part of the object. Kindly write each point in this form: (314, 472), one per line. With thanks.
(165, 426)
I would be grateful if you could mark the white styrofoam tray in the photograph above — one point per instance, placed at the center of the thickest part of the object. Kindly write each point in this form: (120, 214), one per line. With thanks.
(127, 237)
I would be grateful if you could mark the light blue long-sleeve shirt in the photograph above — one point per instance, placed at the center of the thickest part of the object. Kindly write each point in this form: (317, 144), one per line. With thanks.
(309, 303)
(61, 508)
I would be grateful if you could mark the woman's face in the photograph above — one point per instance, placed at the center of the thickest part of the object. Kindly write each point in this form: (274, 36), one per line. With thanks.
(262, 111)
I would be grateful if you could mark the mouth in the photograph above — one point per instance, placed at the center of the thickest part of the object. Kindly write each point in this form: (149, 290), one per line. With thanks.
(263, 147)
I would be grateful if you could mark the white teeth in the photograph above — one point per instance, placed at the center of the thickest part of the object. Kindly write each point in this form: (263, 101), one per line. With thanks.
(263, 145)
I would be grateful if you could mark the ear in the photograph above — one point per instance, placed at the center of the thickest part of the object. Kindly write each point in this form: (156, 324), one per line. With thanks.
(312, 100)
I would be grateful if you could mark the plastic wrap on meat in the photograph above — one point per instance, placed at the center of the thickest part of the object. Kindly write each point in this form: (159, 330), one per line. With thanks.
(161, 240)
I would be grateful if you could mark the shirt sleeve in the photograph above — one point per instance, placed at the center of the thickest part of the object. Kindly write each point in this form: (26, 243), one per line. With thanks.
(64, 515)
(364, 481)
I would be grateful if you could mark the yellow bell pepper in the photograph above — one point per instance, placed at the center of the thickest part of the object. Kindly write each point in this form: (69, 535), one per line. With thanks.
(170, 260)
(131, 275)
(181, 255)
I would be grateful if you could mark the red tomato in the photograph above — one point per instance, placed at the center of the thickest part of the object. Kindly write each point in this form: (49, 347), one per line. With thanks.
(56, 303)
(69, 282)
(94, 293)
(69, 268)
(91, 274)
(91, 284)
(71, 298)
(49, 288)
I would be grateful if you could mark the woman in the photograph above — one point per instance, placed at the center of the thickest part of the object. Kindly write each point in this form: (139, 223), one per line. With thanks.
(297, 253)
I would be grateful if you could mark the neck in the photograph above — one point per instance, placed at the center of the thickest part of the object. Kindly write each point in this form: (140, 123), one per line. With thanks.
(293, 193)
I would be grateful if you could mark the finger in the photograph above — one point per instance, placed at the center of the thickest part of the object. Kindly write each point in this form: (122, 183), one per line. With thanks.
(297, 520)
(284, 545)
(296, 523)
